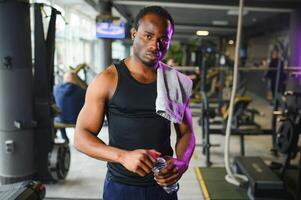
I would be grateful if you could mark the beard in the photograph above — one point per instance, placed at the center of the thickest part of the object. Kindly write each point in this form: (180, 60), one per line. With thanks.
(150, 64)
(143, 56)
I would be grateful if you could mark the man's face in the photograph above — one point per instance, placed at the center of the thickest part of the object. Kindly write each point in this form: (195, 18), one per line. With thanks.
(152, 39)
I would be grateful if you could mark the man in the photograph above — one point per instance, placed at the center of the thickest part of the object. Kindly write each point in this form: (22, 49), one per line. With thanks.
(69, 97)
(126, 94)
(271, 74)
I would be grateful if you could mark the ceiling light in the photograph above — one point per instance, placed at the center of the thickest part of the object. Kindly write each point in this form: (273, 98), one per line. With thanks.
(202, 33)
(231, 42)
(220, 22)
(235, 12)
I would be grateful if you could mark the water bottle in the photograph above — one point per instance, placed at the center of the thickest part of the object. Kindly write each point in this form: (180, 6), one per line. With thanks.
(160, 164)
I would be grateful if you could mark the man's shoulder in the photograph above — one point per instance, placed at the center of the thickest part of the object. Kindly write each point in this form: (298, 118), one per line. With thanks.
(109, 71)
(104, 83)
(108, 75)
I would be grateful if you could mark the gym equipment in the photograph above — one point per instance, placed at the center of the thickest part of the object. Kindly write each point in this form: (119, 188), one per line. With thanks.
(16, 110)
(290, 129)
(263, 182)
(82, 80)
(25, 190)
(286, 139)
(26, 114)
(50, 153)
(76, 70)
(57, 166)
(242, 115)
(243, 123)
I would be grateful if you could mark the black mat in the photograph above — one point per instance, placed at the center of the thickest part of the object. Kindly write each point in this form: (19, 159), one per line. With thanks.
(214, 186)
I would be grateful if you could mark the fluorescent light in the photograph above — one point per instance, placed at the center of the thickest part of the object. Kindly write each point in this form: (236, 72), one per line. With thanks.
(202, 33)
(196, 27)
(220, 22)
(235, 12)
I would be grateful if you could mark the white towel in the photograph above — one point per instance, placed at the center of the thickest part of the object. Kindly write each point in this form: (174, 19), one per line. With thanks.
(173, 93)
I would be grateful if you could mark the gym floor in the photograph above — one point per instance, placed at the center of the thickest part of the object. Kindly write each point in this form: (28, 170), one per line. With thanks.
(86, 176)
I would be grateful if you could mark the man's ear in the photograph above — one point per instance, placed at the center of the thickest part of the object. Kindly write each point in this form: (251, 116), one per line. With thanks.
(133, 33)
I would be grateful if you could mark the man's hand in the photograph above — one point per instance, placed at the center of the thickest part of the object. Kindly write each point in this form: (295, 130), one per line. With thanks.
(172, 172)
(140, 161)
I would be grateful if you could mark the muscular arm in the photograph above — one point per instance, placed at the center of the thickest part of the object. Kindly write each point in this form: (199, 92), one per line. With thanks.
(184, 148)
(91, 118)
(185, 137)
(90, 121)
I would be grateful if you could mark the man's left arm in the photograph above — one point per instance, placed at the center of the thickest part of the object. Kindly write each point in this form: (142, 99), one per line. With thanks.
(184, 149)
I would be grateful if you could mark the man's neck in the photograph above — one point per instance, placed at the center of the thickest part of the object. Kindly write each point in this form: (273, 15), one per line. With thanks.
(140, 71)
(138, 66)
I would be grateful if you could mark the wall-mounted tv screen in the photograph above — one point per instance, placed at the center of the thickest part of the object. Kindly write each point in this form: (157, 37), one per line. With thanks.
(110, 29)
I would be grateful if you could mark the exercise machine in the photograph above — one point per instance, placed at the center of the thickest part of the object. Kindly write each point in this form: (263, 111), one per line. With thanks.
(213, 119)
(285, 182)
(26, 115)
(25, 190)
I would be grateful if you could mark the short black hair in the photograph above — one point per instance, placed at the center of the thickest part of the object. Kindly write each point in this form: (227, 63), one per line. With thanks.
(155, 10)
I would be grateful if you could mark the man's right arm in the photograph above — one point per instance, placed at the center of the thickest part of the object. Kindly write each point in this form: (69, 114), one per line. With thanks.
(89, 124)
(90, 120)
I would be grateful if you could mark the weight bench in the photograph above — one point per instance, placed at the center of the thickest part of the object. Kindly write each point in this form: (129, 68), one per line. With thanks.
(59, 125)
(242, 124)
(62, 127)
(241, 110)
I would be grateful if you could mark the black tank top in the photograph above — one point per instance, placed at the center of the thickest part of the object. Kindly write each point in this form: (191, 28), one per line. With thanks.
(134, 124)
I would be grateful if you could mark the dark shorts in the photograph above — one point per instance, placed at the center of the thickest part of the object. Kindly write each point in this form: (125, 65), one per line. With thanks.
(119, 191)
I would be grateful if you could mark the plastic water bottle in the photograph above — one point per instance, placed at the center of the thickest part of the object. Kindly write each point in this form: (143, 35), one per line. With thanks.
(160, 164)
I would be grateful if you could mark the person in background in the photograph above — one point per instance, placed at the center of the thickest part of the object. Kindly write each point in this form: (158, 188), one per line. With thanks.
(271, 74)
(126, 92)
(69, 98)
